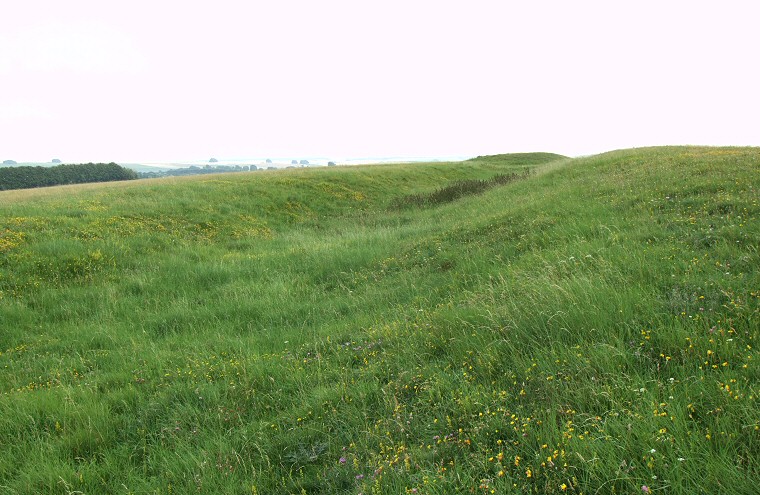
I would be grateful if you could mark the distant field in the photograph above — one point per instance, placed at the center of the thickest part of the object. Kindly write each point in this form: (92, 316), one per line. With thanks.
(588, 326)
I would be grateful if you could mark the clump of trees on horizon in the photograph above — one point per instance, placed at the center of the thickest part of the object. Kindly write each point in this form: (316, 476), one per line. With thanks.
(195, 170)
(27, 177)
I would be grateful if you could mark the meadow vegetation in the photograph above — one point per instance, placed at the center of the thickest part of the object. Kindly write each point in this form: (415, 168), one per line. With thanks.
(589, 328)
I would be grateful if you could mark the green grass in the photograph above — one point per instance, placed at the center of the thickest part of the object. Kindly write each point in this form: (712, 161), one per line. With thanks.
(590, 328)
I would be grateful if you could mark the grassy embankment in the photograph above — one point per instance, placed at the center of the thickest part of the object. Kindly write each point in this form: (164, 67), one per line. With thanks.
(589, 329)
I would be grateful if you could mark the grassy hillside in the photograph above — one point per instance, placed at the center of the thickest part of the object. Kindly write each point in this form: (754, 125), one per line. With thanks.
(590, 328)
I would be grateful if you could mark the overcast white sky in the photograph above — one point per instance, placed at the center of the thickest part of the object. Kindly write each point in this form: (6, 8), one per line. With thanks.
(152, 80)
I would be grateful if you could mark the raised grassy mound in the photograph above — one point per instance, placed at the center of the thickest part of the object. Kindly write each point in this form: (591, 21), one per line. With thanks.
(589, 327)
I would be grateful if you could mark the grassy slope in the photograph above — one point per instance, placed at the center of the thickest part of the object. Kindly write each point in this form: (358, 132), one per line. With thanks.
(591, 329)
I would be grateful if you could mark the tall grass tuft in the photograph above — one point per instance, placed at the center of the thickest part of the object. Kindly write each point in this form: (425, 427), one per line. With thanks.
(456, 190)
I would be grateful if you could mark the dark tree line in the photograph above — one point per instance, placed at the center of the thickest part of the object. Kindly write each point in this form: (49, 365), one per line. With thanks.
(195, 170)
(26, 177)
